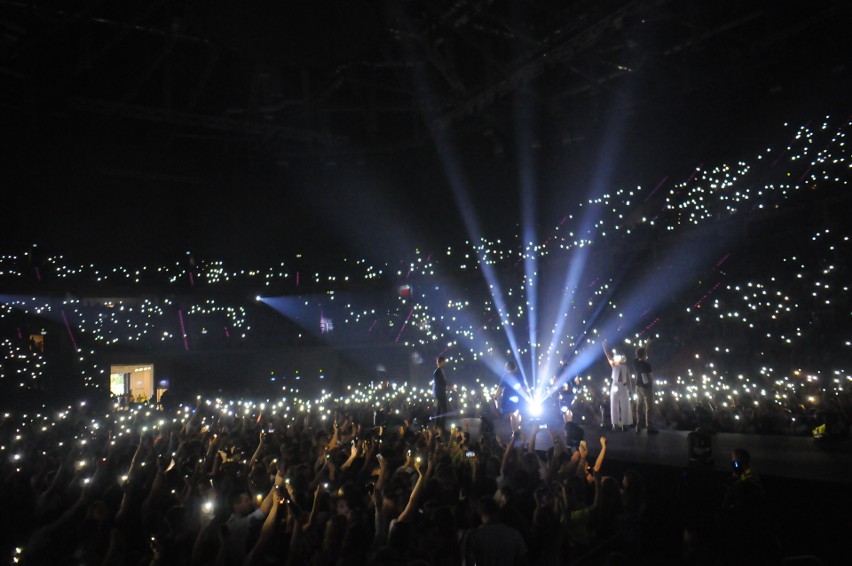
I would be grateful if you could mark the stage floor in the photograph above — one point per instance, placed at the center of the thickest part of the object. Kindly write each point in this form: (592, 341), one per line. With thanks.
(793, 457)
(797, 457)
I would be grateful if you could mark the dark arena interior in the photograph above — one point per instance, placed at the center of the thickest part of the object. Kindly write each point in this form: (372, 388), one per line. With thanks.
(415, 282)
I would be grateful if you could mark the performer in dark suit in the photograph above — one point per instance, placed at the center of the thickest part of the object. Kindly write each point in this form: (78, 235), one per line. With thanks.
(439, 390)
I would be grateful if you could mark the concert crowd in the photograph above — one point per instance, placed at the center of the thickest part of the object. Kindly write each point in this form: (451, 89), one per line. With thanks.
(219, 482)
(756, 342)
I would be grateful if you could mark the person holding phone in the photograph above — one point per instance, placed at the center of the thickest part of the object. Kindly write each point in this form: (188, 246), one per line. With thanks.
(743, 519)
(244, 514)
(741, 467)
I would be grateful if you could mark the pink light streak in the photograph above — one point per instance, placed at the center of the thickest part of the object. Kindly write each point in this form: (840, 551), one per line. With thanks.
(404, 324)
(183, 331)
(68, 329)
(660, 184)
(694, 172)
(704, 297)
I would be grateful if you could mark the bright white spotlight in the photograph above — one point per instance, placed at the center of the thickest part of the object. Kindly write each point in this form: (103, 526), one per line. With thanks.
(535, 408)
(257, 298)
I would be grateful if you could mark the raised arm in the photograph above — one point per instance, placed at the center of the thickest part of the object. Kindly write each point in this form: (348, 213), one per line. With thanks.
(295, 552)
(600, 459)
(414, 500)
(335, 435)
(606, 351)
(370, 448)
(266, 533)
(321, 474)
(379, 513)
(268, 501)
(559, 449)
(355, 451)
(508, 452)
(536, 429)
(157, 492)
(259, 451)
(596, 476)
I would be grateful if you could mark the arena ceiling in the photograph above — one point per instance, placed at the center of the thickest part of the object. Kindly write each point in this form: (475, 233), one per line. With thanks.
(167, 91)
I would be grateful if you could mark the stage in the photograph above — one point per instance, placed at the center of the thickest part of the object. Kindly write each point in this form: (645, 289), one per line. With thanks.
(793, 457)
(782, 456)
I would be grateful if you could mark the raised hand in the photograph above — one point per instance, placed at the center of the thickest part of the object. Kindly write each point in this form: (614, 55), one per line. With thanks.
(558, 446)
(162, 462)
(430, 466)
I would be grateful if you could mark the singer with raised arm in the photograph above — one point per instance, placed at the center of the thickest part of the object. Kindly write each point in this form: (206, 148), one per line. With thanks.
(619, 390)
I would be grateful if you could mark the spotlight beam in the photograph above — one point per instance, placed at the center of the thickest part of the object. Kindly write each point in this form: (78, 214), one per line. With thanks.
(575, 269)
(436, 301)
(528, 233)
(529, 253)
(671, 275)
(601, 179)
(458, 185)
